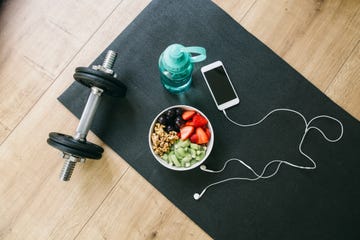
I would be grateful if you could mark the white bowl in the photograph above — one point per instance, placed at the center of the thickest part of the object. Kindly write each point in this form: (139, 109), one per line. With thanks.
(208, 148)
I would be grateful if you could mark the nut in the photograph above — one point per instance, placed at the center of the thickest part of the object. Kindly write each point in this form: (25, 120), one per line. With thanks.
(161, 140)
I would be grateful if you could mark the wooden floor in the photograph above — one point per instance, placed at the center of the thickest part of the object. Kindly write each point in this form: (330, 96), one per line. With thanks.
(42, 41)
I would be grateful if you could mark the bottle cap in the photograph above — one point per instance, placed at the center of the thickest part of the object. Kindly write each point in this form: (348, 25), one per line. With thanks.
(176, 57)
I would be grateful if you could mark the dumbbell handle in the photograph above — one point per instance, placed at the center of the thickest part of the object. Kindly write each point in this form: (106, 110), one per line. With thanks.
(88, 114)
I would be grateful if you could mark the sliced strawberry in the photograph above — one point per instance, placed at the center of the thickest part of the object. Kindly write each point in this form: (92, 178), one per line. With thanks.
(208, 133)
(189, 123)
(186, 132)
(188, 114)
(194, 138)
(202, 137)
(199, 120)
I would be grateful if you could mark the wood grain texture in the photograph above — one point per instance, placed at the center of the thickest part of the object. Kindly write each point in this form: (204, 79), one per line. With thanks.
(38, 40)
(107, 199)
(315, 37)
(236, 8)
(142, 214)
(345, 89)
(4, 132)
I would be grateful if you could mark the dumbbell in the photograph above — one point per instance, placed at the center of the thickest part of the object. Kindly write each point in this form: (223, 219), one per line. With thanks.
(102, 80)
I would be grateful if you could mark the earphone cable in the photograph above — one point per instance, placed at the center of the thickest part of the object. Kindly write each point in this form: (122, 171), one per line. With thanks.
(262, 175)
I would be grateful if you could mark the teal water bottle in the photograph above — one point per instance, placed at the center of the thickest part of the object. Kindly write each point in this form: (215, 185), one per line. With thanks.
(176, 66)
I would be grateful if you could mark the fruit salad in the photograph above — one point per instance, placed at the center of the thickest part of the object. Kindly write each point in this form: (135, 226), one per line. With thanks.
(180, 137)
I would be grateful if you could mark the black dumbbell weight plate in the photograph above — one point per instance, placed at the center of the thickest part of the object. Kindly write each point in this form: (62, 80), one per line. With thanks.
(71, 142)
(68, 144)
(90, 77)
(72, 151)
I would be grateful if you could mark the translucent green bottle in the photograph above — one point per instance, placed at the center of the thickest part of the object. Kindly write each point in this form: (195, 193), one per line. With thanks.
(176, 66)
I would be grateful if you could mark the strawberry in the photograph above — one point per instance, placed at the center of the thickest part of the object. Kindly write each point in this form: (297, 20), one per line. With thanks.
(189, 123)
(199, 120)
(186, 132)
(194, 138)
(188, 114)
(202, 137)
(208, 133)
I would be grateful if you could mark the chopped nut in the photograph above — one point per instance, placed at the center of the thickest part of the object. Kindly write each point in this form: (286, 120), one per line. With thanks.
(161, 140)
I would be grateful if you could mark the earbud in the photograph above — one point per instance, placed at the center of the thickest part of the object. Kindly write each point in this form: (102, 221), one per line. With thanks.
(203, 167)
(196, 196)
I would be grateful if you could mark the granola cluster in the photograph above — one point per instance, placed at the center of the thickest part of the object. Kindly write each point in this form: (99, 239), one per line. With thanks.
(161, 140)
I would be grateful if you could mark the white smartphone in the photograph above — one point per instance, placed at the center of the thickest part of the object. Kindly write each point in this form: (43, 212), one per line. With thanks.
(220, 86)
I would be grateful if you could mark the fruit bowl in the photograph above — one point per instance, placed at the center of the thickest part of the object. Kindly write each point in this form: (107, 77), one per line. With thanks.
(181, 137)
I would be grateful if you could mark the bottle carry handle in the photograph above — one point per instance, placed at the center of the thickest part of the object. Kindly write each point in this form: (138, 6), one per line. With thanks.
(197, 50)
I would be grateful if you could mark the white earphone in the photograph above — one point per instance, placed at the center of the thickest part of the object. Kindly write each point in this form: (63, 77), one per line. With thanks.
(262, 175)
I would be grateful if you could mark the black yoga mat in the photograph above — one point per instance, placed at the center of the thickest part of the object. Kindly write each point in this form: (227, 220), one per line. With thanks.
(295, 204)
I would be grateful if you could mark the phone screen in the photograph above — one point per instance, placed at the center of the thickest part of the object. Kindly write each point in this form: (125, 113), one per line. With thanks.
(220, 85)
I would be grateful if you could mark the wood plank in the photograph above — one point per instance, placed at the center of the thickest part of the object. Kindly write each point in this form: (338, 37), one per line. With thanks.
(38, 40)
(50, 33)
(345, 89)
(4, 132)
(20, 88)
(315, 37)
(135, 210)
(237, 9)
